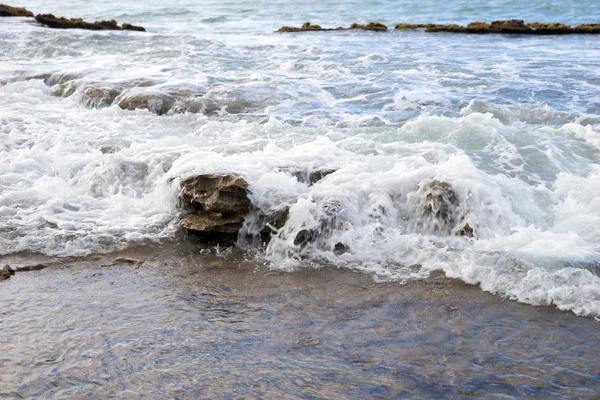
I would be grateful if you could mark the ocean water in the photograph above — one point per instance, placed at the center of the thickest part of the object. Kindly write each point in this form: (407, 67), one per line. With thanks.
(510, 123)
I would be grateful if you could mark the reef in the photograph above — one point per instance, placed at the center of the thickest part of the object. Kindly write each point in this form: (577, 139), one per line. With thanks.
(511, 26)
(51, 21)
(8, 11)
(308, 27)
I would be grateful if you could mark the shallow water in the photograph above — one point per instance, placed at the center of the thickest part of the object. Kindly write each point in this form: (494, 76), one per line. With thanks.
(187, 322)
(511, 123)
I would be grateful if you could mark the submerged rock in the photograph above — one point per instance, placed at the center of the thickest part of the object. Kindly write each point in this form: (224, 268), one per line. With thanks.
(51, 21)
(6, 272)
(8, 11)
(158, 103)
(441, 211)
(99, 97)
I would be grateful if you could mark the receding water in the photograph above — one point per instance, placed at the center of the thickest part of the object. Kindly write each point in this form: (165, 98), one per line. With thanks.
(195, 323)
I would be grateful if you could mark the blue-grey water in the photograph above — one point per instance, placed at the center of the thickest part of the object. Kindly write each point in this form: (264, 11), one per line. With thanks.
(510, 122)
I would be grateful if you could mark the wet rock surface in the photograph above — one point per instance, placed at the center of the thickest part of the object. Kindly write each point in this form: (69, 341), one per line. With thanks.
(219, 202)
(157, 103)
(51, 21)
(6, 272)
(441, 211)
(308, 27)
(512, 26)
(8, 11)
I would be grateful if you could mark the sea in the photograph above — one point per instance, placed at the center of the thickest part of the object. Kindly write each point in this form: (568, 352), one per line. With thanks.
(511, 123)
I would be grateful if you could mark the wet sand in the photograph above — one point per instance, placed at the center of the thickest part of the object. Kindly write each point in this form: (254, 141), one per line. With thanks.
(186, 322)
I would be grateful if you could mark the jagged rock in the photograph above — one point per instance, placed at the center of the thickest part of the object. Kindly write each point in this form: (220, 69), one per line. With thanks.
(446, 28)
(206, 221)
(587, 28)
(316, 175)
(219, 202)
(6, 272)
(371, 26)
(158, 103)
(307, 176)
(510, 26)
(307, 27)
(552, 29)
(129, 27)
(51, 21)
(8, 11)
(226, 194)
(98, 97)
(406, 27)
(441, 211)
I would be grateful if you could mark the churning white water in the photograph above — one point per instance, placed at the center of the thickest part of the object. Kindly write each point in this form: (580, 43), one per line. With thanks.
(511, 124)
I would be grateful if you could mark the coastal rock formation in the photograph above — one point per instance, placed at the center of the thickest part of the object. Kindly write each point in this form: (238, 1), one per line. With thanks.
(99, 97)
(158, 103)
(6, 272)
(51, 21)
(8, 11)
(371, 26)
(307, 27)
(440, 210)
(512, 26)
(219, 202)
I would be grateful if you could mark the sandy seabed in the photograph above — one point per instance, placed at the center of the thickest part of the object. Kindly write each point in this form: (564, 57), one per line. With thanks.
(186, 321)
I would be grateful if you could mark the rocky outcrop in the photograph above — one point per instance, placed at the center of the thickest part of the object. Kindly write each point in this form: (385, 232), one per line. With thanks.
(511, 26)
(8, 11)
(371, 26)
(158, 103)
(51, 21)
(218, 203)
(99, 97)
(6, 272)
(307, 27)
(440, 210)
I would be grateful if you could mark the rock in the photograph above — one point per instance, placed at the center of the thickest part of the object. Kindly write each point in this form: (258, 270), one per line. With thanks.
(551, 29)
(157, 103)
(51, 21)
(305, 28)
(510, 26)
(446, 28)
(6, 272)
(587, 28)
(406, 27)
(316, 175)
(226, 193)
(220, 203)
(206, 221)
(129, 27)
(441, 212)
(99, 97)
(371, 26)
(8, 11)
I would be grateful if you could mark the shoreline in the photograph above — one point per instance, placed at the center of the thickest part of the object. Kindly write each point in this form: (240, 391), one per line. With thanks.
(194, 322)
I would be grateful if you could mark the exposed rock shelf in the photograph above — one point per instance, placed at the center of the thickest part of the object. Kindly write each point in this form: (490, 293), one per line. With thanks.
(51, 21)
(512, 26)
